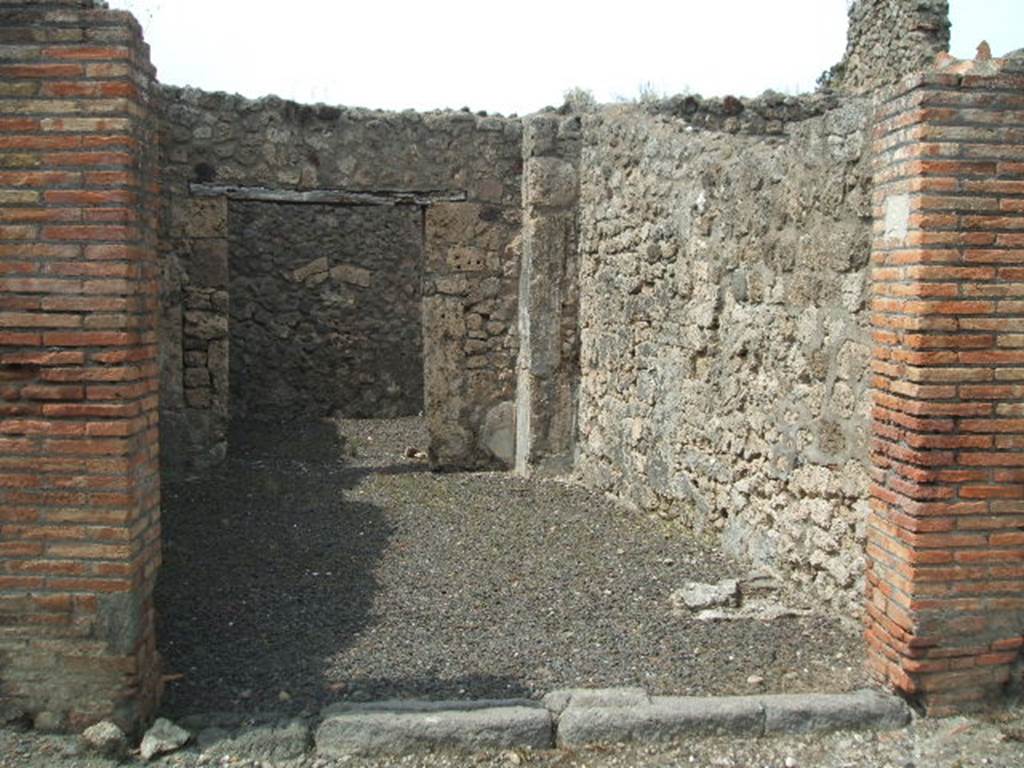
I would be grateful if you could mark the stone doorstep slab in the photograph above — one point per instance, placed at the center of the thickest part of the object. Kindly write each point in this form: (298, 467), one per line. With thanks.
(419, 726)
(665, 718)
(576, 717)
(866, 709)
(561, 699)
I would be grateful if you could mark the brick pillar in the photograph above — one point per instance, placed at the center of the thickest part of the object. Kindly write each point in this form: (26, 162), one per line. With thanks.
(79, 477)
(946, 532)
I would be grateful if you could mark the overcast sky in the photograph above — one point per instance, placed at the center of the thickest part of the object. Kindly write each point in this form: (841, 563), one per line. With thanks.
(515, 56)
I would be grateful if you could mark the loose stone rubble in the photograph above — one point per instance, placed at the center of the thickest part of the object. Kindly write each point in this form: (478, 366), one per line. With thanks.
(162, 737)
(106, 739)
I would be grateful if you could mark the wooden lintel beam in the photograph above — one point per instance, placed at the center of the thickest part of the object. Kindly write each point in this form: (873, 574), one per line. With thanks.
(331, 196)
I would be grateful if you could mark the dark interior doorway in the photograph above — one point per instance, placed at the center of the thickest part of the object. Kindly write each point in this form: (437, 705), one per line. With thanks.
(325, 310)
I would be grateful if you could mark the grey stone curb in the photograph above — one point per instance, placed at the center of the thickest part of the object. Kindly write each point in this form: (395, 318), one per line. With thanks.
(576, 717)
(663, 718)
(415, 726)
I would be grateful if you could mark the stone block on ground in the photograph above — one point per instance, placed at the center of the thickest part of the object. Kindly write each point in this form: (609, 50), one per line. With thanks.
(561, 699)
(816, 713)
(697, 596)
(398, 727)
(283, 741)
(163, 737)
(663, 719)
(106, 739)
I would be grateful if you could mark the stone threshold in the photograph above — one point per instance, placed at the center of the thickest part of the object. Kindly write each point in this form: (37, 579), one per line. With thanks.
(579, 717)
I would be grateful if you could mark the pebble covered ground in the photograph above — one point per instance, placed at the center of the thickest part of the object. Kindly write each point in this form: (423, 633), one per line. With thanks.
(993, 742)
(320, 563)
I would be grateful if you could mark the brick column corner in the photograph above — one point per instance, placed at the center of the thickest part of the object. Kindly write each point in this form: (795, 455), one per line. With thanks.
(945, 580)
(79, 474)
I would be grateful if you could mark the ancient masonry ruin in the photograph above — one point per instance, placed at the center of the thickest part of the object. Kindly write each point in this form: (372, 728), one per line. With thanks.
(794, 321)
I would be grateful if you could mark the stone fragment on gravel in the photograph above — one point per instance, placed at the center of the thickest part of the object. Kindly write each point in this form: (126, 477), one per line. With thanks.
(758, 584)
(106, 738)
(415, 726)
(697, 596)
(759, 610)
(817, 713)
(163, 737)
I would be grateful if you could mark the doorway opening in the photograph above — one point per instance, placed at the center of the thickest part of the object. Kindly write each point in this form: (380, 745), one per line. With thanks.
(325, 311)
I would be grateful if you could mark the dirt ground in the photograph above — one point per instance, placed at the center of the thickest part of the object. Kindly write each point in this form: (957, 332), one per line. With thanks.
(320, 563)
(993, 742)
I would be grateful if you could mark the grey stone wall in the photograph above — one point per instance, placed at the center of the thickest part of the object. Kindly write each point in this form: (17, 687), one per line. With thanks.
(470, 250)
(888, 39)
(766, 115)
(470, 341)
(724, 343)
(194, 333)
(325, 310)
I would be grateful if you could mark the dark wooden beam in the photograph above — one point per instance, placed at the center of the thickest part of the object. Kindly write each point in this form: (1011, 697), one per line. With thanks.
(331, 196)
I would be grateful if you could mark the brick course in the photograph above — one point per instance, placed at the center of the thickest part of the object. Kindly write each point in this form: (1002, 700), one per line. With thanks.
(79, 465)
(945, 581)
(79, 479)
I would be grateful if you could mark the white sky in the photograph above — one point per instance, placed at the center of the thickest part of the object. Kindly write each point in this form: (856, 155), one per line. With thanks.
(515, 56)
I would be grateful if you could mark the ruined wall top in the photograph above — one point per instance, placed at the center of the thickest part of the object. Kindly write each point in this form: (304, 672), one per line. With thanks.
(84, 4)
(888, 39)
(764, 115)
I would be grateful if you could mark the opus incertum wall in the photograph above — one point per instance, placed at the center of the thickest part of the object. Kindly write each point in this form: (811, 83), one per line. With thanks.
(456, 173)
(673, 300)
(79, 479)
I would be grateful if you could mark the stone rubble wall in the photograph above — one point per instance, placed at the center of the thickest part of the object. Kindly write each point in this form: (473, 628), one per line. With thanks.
(194, 333)
(724, 342)
(888, 39)
(470, 295)
(470, 252)
(767, 114)
(325, 310)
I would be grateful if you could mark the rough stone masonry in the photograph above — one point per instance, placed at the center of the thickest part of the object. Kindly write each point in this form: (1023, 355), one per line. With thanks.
(428, 205)
(324, 312)
(724, 338)
(790, 321)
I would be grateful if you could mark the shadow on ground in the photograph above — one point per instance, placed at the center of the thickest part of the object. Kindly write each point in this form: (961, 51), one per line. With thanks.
(313, 568)
(268, 569)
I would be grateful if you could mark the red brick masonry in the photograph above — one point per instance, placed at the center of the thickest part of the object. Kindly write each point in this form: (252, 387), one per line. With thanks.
(79, 473)
(79, 479)
(946, 533)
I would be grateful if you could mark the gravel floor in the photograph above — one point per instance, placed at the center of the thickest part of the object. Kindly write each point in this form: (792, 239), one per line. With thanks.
(991, 742)
(318, 564)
